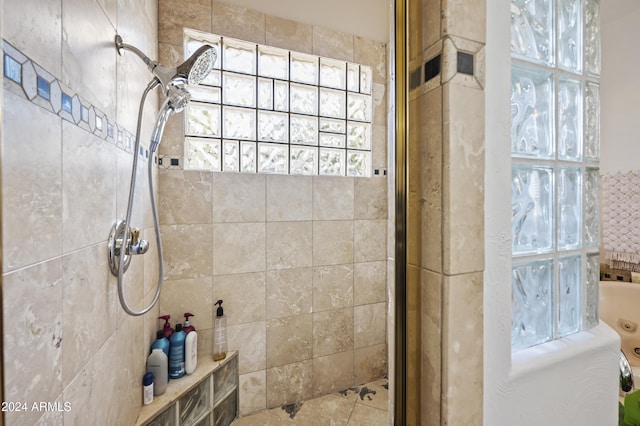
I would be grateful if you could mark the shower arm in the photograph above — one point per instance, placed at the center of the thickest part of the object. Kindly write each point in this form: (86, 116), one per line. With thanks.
(120, 46)
(163, 74)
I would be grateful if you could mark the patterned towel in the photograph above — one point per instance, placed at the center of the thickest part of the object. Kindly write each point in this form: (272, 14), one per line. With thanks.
(621, 220)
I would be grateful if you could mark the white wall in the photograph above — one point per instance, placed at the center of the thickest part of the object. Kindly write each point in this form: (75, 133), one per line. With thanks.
(339, 15)
(620, 87)
(569, 381)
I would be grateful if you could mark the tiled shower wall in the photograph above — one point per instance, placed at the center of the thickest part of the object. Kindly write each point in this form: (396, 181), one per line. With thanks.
(299, 261)
(65, 181)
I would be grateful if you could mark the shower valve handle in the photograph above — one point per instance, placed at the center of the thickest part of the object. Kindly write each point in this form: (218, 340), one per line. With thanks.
(136, 245)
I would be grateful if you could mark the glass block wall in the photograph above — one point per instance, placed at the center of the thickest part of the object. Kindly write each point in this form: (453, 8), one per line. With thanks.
(555, 148)
(269, 110)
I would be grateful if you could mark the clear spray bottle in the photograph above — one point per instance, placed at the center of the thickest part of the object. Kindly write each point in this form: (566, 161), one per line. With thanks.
(219, 334)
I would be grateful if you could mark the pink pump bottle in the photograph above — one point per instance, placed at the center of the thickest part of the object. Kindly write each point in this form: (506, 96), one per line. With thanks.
(167, 331)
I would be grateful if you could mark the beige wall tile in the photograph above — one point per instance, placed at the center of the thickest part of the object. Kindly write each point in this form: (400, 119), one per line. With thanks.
(187, 250)
(238, 22)
(333, 198)
(88, 190)
(173, 15)
(89, 307)
(98, 375)
(289, 340)
(431, 334)
(173, 136)
(333, 372)
(431, 21)
(253, 392)
(191, 295)
(289, 245)
(379, 100)
(369, 363)
(250, 340)
(129, 68)
(379, 147)
(372, 53)
(129, 343)
(370, 324)
(85, 24)
(369, 282)
(170, 55)
(464, 19)
(288, 34)
(332, 242)
(332, 44)
(414, 344)
(431, 180)
(332, 287)
(289, 292)
(370, 239)
(332, 332)
(239, 197)
(413, 187)
(371, 198)
(289, 383)
(36, 30)
(243, 296)
(414, 10)
(289, 198)
(239, 248)
(463, 180)
(32, 307)
(184, 197)
(462, 329)
(36, 236)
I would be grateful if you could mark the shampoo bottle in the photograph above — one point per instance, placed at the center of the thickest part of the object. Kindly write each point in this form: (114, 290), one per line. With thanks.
(219, 334)
(168, 331)
(157, 364)
(176, 353)
(187, 327)
(190, 352)
(161, 342)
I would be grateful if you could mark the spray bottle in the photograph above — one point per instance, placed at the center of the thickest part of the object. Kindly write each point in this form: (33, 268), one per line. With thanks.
(219, 334)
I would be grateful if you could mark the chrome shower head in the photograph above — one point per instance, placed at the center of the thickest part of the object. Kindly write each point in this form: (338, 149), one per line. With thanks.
(190, 72)
(176, 101)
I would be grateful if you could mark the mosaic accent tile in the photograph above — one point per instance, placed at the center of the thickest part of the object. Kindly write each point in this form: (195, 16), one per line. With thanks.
(432, 68)
(30, 81)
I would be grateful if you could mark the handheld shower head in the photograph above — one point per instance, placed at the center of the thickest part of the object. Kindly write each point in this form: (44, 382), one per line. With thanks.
(190, 72)
(177, 99)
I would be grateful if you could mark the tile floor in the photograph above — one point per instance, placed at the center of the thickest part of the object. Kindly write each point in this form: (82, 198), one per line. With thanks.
(364, 405)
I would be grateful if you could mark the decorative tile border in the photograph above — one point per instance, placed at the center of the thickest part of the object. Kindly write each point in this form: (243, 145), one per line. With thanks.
(30, 81)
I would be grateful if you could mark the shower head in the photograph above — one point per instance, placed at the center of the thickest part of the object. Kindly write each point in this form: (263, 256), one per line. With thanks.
(177, 99)
(190, 72)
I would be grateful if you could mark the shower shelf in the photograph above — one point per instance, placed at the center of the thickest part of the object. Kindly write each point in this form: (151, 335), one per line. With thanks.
(208, 397)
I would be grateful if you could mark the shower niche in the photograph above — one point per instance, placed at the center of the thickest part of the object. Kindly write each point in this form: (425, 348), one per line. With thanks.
(208, 397)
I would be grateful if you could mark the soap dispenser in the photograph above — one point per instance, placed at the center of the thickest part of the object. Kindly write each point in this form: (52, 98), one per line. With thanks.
(167, 331)
(187, 327)
(219, 334)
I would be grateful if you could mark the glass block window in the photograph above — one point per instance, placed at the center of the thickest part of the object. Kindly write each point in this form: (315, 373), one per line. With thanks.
(555, 149)
(269, 110)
